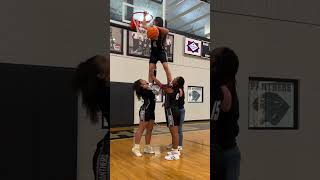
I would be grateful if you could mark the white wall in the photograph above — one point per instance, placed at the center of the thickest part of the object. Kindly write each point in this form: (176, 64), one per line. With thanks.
(275, 48)
(195, 70)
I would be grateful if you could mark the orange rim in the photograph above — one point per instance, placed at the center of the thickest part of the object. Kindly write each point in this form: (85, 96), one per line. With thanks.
(135, 22)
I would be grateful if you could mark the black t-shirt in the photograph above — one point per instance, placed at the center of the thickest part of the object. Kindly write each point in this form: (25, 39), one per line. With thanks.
(181, 100)
(226, 123)
(149, 100)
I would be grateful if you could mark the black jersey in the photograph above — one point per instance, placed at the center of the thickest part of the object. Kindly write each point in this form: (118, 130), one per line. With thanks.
(181, 100)
(172, 99)
(101, 161)
(226, 123)
(149, 100)
(146, 112)
(158, 52)
(158, 45)
(104, 98)
(171, 105)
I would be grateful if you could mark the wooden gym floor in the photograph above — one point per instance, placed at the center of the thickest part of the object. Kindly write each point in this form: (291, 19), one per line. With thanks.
(194, 162)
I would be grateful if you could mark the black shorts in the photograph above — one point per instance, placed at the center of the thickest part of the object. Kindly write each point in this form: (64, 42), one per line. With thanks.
(156, 56)
(172, 116)
(146, 114)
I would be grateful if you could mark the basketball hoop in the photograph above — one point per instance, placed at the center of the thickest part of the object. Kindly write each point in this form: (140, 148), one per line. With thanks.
(136, 22)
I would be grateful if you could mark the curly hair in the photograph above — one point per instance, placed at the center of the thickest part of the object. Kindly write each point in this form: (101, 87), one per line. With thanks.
(180, 81)
(138, 88)
(225, 64)
(89, 85)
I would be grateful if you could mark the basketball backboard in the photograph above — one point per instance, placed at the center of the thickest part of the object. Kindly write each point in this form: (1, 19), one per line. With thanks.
(122, 10)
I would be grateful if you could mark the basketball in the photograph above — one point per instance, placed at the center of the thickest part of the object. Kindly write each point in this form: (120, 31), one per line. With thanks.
(153, 33)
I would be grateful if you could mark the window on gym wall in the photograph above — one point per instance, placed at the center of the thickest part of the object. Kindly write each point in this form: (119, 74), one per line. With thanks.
(182, 16)
(116, 10)
(189, 16)
(122, 10)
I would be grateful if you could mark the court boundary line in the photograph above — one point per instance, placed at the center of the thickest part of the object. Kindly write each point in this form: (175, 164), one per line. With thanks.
(158, 135)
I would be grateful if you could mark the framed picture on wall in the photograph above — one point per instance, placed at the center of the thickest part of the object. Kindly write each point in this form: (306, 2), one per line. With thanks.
(195, 94)
(116, 40)
(138, 44)
(170, 47)
(192, 47)
(205, 50)
(273, 103)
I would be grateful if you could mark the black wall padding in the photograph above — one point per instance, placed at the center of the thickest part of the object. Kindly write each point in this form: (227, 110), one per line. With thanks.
(121, 104)
(38, 130)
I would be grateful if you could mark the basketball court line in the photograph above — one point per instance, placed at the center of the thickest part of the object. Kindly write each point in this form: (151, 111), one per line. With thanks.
(128, 132)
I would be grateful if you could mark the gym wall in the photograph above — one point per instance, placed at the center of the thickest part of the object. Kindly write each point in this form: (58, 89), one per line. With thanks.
(195, 70)
(59, 34)
(269, 45)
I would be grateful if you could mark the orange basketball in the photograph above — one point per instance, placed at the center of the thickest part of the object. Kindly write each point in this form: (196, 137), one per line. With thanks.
(153, 33)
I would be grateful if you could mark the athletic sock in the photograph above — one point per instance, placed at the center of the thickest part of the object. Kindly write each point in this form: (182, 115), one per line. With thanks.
(175, 151)
(137, 146)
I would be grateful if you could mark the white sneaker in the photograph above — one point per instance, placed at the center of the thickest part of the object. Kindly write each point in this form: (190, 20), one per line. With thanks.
(171, 152)
(169, 146)
(172, 157)
(148, 150)
(180, 148)
(136, 151)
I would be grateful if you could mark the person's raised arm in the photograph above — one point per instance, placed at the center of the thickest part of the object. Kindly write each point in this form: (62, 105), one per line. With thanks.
(227, 99)
(144, 21)
(180, 92)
